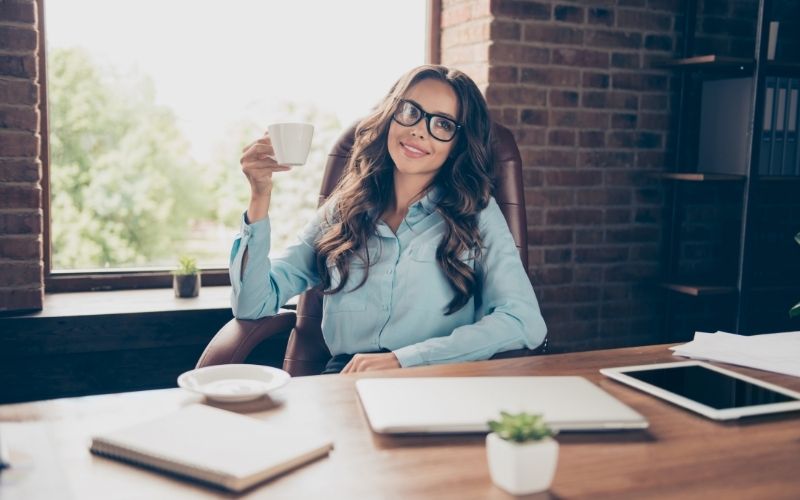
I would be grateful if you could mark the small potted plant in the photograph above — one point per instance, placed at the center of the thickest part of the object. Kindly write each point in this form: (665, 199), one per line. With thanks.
(522, 453)
(186, 279)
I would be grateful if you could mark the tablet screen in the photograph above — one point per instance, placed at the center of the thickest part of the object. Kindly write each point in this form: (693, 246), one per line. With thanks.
(709, 387)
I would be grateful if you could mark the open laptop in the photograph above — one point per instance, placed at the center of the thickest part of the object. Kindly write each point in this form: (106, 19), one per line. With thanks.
(466, 404)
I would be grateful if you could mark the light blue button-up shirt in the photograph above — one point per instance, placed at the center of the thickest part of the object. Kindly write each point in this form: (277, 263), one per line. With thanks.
(401, 307)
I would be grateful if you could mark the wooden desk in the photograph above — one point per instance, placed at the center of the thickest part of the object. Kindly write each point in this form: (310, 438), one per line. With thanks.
(681, 455)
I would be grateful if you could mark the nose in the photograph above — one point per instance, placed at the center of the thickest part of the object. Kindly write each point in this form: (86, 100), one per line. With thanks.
(420, 128)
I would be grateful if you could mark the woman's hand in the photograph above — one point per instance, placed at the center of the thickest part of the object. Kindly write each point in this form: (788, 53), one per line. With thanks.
(370, 362)
(258, 164)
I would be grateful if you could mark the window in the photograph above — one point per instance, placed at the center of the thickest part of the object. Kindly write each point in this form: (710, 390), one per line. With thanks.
(151, 102)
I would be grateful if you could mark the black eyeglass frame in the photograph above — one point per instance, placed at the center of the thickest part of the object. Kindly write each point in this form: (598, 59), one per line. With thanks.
(427, 117)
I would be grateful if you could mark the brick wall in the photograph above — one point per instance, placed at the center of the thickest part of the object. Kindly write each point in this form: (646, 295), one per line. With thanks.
(573, 80)
(20, 168)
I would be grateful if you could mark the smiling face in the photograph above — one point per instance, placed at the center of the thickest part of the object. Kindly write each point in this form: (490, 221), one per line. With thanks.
(413, 150)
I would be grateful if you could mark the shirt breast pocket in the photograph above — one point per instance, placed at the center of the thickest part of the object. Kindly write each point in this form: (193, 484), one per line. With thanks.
(429, 285)
(347, 299)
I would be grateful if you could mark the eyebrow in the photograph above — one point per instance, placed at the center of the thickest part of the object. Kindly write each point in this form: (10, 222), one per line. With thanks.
(446, 115)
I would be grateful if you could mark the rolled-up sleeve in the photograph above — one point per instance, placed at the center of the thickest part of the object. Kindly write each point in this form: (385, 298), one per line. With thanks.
(508, 316)
(267, 284)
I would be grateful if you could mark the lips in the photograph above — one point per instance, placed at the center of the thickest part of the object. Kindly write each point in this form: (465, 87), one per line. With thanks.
(412, 151)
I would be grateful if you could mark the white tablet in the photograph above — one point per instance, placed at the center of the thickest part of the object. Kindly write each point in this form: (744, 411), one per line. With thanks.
(714, 392)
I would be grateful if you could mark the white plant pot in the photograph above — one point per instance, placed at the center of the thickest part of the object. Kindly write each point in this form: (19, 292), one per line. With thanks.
(521, 468)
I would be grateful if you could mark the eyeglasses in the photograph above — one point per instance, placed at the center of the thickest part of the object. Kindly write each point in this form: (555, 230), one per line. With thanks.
(440, 127)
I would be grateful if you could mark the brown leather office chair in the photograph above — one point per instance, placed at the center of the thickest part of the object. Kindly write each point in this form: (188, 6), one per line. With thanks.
(306, 352)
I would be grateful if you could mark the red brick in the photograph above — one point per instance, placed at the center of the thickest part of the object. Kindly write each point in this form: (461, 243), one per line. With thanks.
(18, 144)
(506, 30)
(21, 299)
(535, 257)
(18, 66)
(503, 74)
(650, 159)
(561, 77)
(560, 137)
(533, 117)
(18, 92)
(654, 121)
(18, 12)
(669, 5)
(531, 177)
(19, 118)
(592, 139)
(506, 95)
(639, 81)
(20, 196)
(505, 116)
(642, 20)
(18, 39)
(20, 274)
(647, 215)
(563, 118)
(658, 42)
(605, 159)
(574, 216)
(623, 120)
(549, 236)
(613, 39)
(573, 178)
(552, 158)
(597, 15)
(563, 98)
(20, 248)
(518, 53)
(558, 35)
(568, 14)
(595, 80)
(548, 197)
(554, 275)
(522, 9)
(593, 119)
(622, 177)
(616, 216)
(631, 272)
(588, 236)
(589, 274)
(26, 170)
(530, 136)
(605, 196)
(557, 255)
(578, 293)
(580, 58)
(626, 60)
(654, 101)
(601, 254)
(20, 223)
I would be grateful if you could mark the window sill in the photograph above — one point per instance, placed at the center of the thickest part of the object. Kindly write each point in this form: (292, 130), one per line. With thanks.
(130, 302)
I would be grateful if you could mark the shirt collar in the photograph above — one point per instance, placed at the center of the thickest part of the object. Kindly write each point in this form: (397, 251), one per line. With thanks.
(429, 201)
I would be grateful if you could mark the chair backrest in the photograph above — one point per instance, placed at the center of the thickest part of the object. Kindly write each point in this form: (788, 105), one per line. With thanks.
(306, 353)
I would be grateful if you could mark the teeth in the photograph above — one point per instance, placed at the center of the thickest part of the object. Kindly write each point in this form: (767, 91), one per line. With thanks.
(413, 149)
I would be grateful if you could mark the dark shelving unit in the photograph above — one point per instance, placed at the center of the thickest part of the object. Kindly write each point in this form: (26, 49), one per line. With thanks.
(737, 284)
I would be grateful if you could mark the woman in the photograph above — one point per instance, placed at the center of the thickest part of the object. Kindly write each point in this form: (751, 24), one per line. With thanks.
(416, 261)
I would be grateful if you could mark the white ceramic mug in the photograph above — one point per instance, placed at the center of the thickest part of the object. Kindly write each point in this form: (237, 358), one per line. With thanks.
(291, 142)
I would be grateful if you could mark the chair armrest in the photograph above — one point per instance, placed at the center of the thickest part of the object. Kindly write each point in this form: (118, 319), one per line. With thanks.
(237, 339)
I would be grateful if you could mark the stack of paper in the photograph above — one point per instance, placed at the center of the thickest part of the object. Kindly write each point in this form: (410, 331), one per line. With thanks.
(774, 352)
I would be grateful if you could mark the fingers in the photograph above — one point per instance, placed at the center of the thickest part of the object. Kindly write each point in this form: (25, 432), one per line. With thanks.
(264, 139)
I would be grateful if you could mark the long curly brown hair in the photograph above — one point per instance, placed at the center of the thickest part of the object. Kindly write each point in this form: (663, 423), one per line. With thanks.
(367, 186)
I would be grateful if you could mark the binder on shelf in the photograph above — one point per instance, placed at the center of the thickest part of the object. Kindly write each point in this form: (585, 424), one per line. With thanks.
(779, 128)
(790, 156)
(765, 154)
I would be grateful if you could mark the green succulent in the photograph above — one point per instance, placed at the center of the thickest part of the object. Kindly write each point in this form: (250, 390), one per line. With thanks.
(186, 265)
(795, 311)
(521, 427)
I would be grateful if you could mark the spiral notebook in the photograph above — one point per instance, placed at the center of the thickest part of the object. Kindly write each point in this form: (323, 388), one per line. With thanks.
(214, 446)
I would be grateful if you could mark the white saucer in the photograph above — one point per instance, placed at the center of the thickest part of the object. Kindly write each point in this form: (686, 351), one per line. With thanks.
(231, 383)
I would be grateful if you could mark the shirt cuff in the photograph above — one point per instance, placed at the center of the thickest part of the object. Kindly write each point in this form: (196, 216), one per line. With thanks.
(409, 356)
(257, 232)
